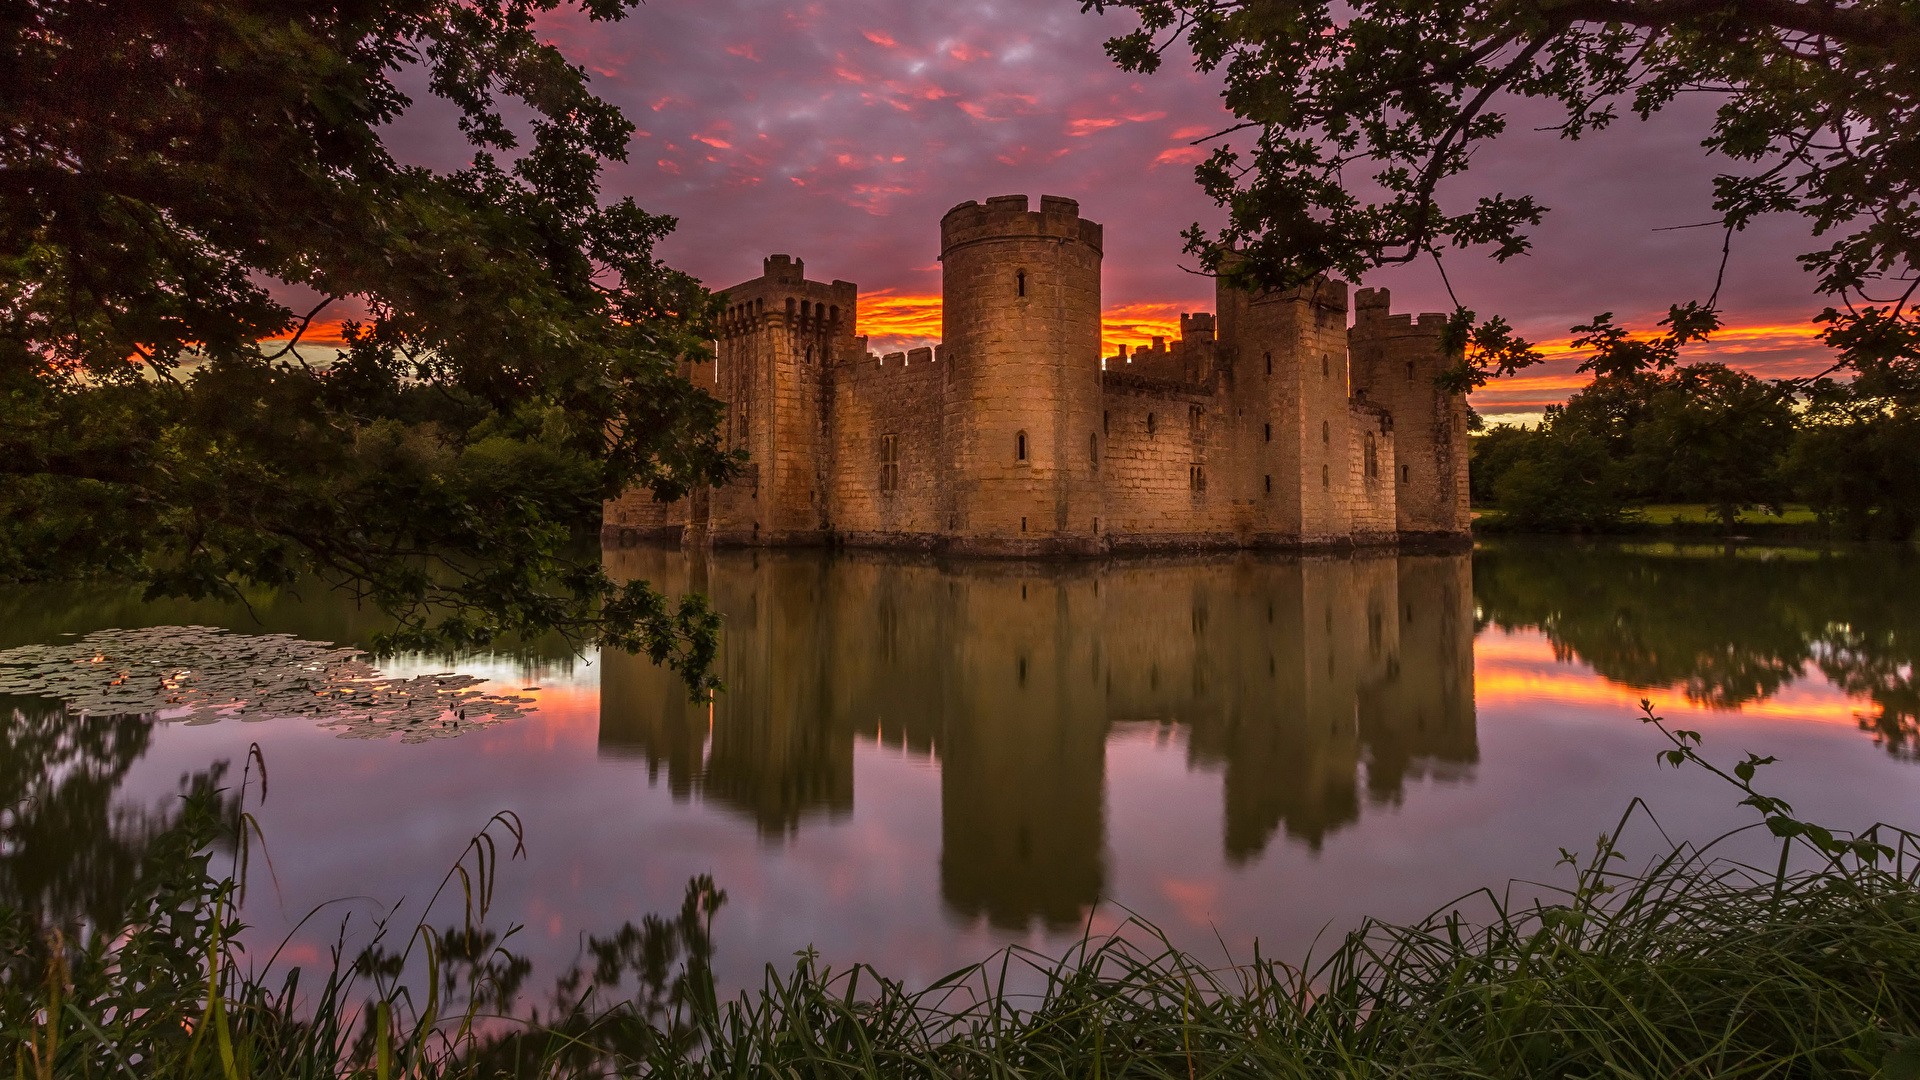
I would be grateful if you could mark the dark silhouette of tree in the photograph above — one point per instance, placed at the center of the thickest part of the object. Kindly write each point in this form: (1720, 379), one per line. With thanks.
(173, 170)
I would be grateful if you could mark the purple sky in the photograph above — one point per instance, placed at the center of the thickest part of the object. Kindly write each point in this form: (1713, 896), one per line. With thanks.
(839, 131)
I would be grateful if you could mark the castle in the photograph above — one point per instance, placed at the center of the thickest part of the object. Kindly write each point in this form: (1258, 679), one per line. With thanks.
(1272, 423)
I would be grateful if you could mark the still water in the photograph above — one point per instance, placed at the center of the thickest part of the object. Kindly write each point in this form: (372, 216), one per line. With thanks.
(917, 761)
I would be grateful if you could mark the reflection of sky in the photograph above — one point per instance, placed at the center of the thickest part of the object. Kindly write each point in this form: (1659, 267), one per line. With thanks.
(1560, 754)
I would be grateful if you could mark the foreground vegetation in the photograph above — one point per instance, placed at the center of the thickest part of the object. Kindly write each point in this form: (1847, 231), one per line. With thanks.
(1696, 965)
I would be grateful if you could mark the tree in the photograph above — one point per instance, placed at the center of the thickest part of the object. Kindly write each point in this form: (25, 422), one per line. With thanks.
(171, 170)
(1856, 457)
(1714, 435)
(1563, 480)
(1818, 109)
(1491, 454)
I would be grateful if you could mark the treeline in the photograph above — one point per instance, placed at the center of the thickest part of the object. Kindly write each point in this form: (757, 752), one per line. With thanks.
(1706, 433)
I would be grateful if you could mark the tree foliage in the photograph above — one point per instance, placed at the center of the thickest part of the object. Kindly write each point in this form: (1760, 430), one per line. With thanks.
(172, 171)
(1700, 433)
(1360, 112)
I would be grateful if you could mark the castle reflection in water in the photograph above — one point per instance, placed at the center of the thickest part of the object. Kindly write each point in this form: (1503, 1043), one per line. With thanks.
(1312, 684)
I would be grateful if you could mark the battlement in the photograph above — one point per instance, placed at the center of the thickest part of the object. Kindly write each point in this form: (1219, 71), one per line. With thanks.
(784, 269)
(1372, 317)
(1007, 216)
(1196, 326)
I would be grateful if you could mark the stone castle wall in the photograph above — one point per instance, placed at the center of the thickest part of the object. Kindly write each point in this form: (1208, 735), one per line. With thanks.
(889, 450)
(1268, 423)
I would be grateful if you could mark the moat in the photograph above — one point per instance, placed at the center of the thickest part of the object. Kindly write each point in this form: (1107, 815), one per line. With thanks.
(917, 760)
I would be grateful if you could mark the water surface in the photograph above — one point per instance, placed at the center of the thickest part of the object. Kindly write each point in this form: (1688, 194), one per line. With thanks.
(916, 761)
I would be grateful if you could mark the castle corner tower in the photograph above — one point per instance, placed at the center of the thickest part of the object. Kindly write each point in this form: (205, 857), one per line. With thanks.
(1021, 325)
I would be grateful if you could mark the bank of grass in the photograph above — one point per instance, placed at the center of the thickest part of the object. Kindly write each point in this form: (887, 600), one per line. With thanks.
(1692, 966)
(1692, 521)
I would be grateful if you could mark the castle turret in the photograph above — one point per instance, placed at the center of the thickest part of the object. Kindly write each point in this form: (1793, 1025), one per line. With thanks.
(779, 338)
(1021, 326)
(1396, 359)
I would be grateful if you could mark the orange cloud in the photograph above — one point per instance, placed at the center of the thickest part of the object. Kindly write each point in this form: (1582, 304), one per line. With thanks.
(885, 314)
(1134, 325)
(881, 38)
(327, 333)
(1180, 155)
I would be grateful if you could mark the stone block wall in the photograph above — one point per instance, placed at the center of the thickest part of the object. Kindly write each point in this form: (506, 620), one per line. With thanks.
(1159, 469)
(889, 450)
(1396, 359)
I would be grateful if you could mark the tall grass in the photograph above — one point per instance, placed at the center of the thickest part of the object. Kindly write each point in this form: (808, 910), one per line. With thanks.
(1695, 965)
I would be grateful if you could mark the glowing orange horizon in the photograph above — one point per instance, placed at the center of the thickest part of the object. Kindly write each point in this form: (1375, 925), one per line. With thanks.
(887, 314)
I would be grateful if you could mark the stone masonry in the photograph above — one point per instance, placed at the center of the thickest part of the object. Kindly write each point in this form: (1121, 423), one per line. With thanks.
(1270, 423)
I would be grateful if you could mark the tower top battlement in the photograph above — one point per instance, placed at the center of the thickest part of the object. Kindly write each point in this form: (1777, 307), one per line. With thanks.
(1005, 216)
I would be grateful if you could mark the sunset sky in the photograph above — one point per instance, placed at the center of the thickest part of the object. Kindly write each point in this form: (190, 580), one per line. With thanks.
(839, 131)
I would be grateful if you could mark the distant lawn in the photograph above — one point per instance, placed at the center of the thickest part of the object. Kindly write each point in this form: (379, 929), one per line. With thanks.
(1689, 516)
(1680, 513)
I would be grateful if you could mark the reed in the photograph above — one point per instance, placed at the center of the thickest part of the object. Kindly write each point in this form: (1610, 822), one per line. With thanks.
(1694, 965)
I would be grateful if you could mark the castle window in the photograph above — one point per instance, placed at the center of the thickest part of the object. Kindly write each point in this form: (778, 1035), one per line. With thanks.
(1326, 477)
(1409, 371)
(1268, 429)
(1020, 447)
(1197, 477)
(1326, 366)
(1371, 458)
(1020, 283)
(1326, 432)
(1023, 528)
(809, 354)
(1269, 363)
(833, 314)
(1149, 423)
(889, 463)
(1269, 485)
(806, 309)
(1093, 451)
(790, 306)
(1194, 414)
(1403, 474)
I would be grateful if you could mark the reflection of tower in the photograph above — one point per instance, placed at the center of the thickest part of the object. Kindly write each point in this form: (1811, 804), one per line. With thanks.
(1418, 717)
(1024, 761)
(1021, 324)
(770, 746)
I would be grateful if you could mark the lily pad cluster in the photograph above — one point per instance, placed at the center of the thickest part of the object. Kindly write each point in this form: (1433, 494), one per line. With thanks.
(202, 675)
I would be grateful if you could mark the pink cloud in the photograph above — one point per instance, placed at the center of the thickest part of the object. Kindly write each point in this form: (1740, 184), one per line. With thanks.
(881, 38)
(1180, 155)
(966, 54)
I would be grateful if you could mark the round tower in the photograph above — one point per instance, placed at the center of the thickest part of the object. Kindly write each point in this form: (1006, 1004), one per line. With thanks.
(1021, 326)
